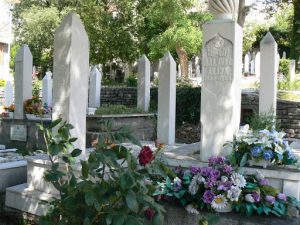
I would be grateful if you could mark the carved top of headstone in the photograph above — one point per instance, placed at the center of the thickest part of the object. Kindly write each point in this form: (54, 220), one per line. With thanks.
(22, 53)
(144, 59)
(223, 9)
(268, 39)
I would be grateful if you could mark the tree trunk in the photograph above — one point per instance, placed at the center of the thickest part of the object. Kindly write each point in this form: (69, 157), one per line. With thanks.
(183, 62)
(243, 12)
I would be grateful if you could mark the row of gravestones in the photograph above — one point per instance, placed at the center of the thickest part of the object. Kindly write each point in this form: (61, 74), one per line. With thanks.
(252, 63)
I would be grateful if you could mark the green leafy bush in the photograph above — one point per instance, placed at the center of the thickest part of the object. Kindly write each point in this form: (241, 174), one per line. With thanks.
(131, 81)
(187, 104)
(284, 67)
(37, 86)
(263, 121)
(289, 85)
(117, 109)
(2, 83)
(111, 188)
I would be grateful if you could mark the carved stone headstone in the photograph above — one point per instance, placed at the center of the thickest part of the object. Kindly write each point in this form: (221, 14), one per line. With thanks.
(71, 76)
(166, 100)
(95, 88)
(143, 94)
(246, 63)
(223, 9)
(221, 85)
(9, 92)
(23, 80)
(284, 55)
(257, 64)
(268, 75)
(47, 89)
(292, 69)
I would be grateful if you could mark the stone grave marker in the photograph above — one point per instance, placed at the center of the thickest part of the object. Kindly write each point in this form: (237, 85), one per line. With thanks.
(166, 100)
(292, 69)
(247, 63)
(9, 92)
(47, 89)
(71, 76)
(268, 77)
(257, 64)
(95, 88)
(143, 92)
(23, 80)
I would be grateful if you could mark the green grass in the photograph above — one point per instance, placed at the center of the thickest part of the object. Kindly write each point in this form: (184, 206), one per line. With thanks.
(117, 109)
(289, 97)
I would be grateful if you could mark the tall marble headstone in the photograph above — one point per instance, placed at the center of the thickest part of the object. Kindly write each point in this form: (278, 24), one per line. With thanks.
(166, 100)
(284, 55)
(190, 69)
(179, 71)
(9, 92)
(221, 85)
(268, 75)
(95, 88)
(292, 69)
(246, 63)
(71, 76)
(257, 64)
(47, 89)
(23, 80)
(143, 94)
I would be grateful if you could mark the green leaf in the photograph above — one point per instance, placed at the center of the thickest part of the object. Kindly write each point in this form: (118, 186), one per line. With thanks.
(54, 149)
(86, 221)
(89, 198)
(119, 219)
(244, 160)
(73, 139)
(131, 201)
(54, 123)
(260, 210)
(76, 152)
(158, 219)
(84, 169)
(126, 181)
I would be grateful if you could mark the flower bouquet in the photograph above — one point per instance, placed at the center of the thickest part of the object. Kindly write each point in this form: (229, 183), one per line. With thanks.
(10, 110)
(35, 109)
(261, 148)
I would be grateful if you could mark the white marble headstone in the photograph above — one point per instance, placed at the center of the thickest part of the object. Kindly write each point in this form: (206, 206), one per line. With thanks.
(143, 90)
(9, 93)
(47, 89)
(95, 88)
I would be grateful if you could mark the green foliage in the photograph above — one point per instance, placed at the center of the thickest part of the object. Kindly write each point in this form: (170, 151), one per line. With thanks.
(186, 111)
(289, 85)
(131, 81)
(117, 109)
(2, 83)
(36, 88)
(111, 188)
(284, 67)
(263, 121)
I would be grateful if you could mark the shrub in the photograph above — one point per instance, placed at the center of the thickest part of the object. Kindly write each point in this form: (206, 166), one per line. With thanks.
(284, 67)
(263, 121)
(2, 83)
(289, 85)
(131, 81)
(111, 188)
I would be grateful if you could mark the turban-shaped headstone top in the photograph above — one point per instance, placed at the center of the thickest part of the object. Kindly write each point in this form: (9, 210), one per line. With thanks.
(223, 9)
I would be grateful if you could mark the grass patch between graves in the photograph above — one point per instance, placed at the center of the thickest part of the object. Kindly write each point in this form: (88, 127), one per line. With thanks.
(117, 109)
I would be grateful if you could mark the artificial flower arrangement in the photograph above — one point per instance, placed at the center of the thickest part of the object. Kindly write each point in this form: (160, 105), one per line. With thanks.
(10, 108)
(35, 106)
(220, 188)
(265, 146)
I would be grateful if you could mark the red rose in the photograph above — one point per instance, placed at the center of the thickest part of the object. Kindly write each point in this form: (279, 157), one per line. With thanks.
(145, 156)
(149, 213)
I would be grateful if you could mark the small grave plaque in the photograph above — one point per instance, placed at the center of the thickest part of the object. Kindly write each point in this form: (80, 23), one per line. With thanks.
(18, 133)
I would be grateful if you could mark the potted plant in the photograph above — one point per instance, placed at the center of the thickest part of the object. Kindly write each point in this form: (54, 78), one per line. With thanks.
(34, 109)
(261, 148)
(10, 110)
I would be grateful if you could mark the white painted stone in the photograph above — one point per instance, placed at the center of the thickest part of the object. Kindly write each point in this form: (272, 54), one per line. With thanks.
(247, 63)
(198, 71)
(221, 85)
(23, 80)
(143, 90)
(190, 69)
(9, 93)
(257, 64)
(47, 89)
(291, 188)
(252, 67)
(95, 88)
(268, 78)
(71, 76)
(179, 71)
(166, 100)
(284, 55)
(292, 69)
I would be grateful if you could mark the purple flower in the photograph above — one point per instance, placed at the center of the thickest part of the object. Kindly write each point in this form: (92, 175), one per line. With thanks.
(224, 186)
(208, 196)
(256, 151)
(256, 196)
(264, 182)
(210, 182)
(268, 155)
(227, 169)
(216, 160)
(195, 170)
(270, 199)
(281, 196)
(206, 171)
(214, 174)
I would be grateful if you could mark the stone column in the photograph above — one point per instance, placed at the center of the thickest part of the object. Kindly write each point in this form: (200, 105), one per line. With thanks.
(221, 85)
(9, 92)
(166, 100)
(268, 77)
(71, 76)
(23, 80)
(143, 94)
(47, 89)
(246, 63)
(292, 69)
(95, 88)
(257, 64)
